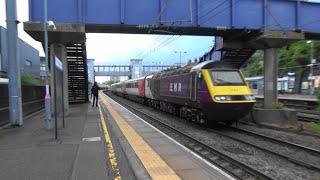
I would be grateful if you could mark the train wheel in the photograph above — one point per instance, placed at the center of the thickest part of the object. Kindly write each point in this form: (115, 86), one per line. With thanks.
(229, 123)
(200, 118)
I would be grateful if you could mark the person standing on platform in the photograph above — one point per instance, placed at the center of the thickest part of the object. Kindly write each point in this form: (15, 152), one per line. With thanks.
(95, 91)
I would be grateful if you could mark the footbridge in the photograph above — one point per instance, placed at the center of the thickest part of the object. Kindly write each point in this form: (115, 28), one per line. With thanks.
(243, 25)
(127, 70)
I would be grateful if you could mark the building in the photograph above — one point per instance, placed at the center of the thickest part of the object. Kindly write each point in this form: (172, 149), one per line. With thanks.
(43, 72)
(136, 65)
(91, 79)
(29, 56)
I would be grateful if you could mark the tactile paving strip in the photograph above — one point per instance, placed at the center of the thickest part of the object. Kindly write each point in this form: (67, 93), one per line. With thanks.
(155, 166)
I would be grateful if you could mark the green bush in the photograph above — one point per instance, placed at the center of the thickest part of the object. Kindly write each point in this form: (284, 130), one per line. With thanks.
(314, 127)
(27, 79)
(278, 105)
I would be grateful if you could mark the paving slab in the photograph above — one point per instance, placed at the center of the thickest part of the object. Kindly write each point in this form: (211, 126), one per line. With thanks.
(31, 152)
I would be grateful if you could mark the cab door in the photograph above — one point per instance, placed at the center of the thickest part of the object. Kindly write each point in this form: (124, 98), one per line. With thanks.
(194, 86)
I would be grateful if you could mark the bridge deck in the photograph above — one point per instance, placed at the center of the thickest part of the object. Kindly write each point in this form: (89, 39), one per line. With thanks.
(187, 16)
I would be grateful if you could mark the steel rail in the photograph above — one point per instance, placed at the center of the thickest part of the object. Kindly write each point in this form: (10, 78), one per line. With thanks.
(237, 169)
(307, 118)
(279, 142)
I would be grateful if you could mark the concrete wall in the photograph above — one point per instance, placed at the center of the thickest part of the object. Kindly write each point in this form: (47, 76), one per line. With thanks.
(26, 53)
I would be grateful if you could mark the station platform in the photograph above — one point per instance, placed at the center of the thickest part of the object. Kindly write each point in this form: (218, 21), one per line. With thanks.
(150, 153)
(31, 151)
(98, 143)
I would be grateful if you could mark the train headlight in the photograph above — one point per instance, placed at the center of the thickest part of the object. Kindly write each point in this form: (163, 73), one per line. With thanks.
(222, 98)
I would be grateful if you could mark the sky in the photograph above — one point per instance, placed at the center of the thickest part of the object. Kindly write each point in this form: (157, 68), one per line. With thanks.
(22, 15)
(120, 48)
(153, 49)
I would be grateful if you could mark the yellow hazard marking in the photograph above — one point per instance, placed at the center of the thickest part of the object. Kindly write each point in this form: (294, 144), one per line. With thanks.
(110, 150)
(153, 163)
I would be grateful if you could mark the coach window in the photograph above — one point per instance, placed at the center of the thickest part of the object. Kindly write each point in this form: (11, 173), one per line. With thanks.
(175, 87)
(179, 87)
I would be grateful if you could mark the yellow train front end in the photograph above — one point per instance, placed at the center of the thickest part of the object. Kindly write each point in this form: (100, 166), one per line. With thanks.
(230, 96)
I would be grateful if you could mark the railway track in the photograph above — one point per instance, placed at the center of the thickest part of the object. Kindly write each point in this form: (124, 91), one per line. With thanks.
(299, 104)
(234, 167)
(308, 117)
(239, 136)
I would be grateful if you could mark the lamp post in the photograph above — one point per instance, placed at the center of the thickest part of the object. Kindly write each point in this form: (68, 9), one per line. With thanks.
(14, 86)
(312, 62)
(47, 99)
(180, 52)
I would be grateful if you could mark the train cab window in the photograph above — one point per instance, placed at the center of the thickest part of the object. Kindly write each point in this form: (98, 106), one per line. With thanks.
(227, 78)
(199, 81)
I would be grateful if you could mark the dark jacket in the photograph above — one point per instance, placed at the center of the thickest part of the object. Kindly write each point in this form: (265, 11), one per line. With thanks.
(95, 90)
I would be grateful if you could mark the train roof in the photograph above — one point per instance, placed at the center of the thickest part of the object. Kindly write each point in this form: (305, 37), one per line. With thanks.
(211, 64)
(118, 83)
(201, 65)
(130, 80)
(254, 78)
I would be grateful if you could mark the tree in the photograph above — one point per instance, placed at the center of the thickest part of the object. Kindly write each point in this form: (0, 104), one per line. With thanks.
(254, 68)
(292, 58)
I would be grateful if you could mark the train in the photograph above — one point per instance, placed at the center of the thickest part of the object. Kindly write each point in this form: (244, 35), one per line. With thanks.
(207, 93)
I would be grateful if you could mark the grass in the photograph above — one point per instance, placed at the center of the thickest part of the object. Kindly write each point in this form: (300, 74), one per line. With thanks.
(295, 126)
(27, 79)
(278, 105)
(313, 127)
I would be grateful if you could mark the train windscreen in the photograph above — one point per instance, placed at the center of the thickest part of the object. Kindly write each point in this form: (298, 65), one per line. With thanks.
(227, 78)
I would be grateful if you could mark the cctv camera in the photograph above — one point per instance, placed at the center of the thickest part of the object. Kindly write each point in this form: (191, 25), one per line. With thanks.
(52, 25)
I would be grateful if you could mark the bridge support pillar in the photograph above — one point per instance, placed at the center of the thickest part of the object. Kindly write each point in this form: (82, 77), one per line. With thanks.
(60, 51)
(270, 77)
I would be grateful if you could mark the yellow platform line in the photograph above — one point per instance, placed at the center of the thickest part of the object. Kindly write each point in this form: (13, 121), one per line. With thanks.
(156, 167)
(110, 151)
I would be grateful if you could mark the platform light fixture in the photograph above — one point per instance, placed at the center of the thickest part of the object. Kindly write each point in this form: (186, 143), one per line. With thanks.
(180, 53)
(312, 62)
